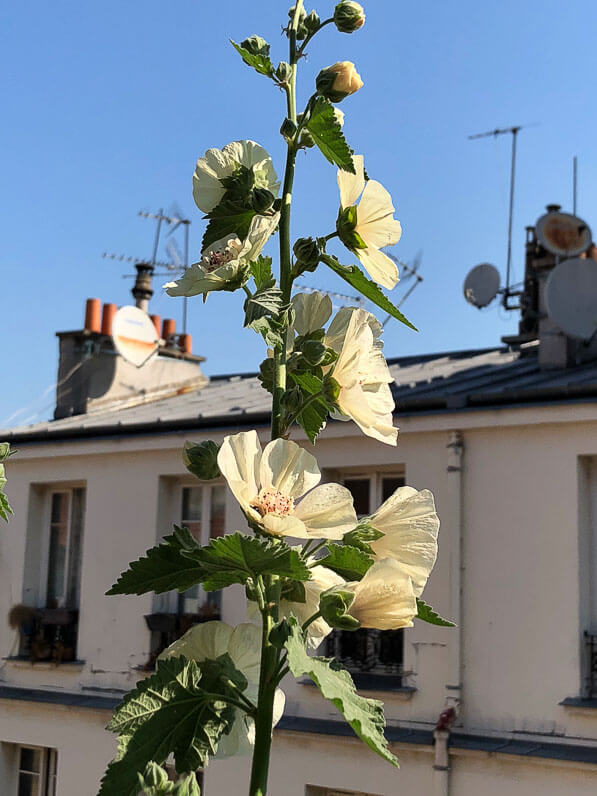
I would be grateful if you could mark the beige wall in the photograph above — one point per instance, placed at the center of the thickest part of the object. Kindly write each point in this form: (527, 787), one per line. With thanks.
(524, 525)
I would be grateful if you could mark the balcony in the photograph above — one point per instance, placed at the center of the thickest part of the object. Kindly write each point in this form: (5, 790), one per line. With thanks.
(46, 634)
(166, 628)
(591, 664)
(374, 658)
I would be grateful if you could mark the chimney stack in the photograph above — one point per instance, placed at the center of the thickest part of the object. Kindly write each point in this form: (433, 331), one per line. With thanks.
(142, 290)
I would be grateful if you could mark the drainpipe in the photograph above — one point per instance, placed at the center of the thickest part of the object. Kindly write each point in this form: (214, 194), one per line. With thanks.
(454, 470)
(441, 763)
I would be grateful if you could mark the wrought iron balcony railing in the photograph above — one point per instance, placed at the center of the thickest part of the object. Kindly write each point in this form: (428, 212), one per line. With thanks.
(591, 664)
(373, 657)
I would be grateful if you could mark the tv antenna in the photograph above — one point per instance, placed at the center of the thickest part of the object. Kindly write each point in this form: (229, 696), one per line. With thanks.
(409, 272)
(343, 299)
(513, 131)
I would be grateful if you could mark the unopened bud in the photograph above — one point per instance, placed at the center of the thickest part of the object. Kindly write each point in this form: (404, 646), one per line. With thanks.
(283, 72)
(261, 200)
(256, 45)
(292, 400)
(279, 634)
(338, 81)
(346, 224)
(155, 778)
(349, 16)
(331, 388)
(312, 22)
(288, 130)
(306, 251)
(313, 351)
(334, 605)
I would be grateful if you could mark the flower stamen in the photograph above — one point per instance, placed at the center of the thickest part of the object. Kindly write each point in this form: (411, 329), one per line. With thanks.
(270, 501)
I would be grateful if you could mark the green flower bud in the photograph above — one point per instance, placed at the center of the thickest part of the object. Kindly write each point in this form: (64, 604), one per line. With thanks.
(155, 778)
(331, 388)
(200, 459)
(292, 400)
(338, 81)
(256, 45)
(313, 351)
(349, 16)
(346, 228)
(283, 72)
(279, 634)
(307, 251)
(302, 14)
(261, 200)
(334, 605)
(312, 22)
(306, 139)
(288, 130)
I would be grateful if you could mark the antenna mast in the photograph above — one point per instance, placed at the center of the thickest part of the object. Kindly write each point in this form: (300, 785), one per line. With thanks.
(494, 133)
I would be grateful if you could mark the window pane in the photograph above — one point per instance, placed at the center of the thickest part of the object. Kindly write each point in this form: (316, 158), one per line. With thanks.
(359, 489)
(76, 549)
(52, 773)
(218, 511)
(389, 485)
(30, 760)
(28, 785)
(192, 505)
(57, 552)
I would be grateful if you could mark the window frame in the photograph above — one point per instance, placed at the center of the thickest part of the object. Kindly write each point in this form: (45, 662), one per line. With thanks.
(48, 774)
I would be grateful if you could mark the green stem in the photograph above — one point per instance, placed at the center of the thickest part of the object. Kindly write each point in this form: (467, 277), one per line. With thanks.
(310, 36)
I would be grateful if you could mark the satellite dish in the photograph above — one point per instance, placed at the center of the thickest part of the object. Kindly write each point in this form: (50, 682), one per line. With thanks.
(571, 297)
(482, 285)
(134, 336)
(563, 234)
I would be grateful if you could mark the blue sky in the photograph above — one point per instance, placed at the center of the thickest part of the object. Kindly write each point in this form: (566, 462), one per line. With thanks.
(106, 107)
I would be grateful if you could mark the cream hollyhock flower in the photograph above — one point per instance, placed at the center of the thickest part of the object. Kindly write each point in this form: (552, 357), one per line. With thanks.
(372, 220)
(311, 311)
(362, 373)
(338, 81)
(208, 641)
(223, 264)
(384, 598)
(217, 164)
(267, 485)
(322, 579)
(410, 526)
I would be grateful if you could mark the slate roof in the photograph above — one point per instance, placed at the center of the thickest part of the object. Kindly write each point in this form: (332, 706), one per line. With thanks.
(458, 380)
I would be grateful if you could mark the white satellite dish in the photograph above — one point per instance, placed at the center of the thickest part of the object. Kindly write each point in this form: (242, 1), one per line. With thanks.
(563, 234)
(571, 297)
(482, 285)
(134, 336)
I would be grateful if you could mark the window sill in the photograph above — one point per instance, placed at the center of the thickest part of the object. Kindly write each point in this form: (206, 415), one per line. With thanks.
(374, 682)
(585, 703)
(25, 663)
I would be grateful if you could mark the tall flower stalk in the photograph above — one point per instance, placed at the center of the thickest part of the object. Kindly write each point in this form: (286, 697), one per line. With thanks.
(308, 565)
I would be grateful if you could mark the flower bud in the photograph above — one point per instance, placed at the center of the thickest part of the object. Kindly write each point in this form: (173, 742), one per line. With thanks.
(346, 228)
(334, 605)
(338, 81)
(313, 351)
(283, 72)
(331, 388)
(292, 400)
(256, 45)
(261, 200)
(279, 634)
(288, 130)
(349, 16)
(306, 251)
(312, 22)
(200, 459)
(155, 779)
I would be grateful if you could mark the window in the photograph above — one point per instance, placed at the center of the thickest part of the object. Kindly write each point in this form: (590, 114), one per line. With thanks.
(37, 771)
(374, 657)
(52, 578)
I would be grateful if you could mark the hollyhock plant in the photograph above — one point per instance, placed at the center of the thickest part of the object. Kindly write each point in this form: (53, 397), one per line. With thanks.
(216, 691)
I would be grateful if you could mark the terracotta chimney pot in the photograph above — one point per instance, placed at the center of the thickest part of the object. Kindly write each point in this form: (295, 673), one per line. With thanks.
(168, 329)
(108, 314)
(157, 322)
(92, 315)
(185, 343)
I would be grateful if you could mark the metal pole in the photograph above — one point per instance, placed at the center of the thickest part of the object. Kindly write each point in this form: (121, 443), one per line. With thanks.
(574, 183)
(514, 132)
(157, 237)
(186, 265)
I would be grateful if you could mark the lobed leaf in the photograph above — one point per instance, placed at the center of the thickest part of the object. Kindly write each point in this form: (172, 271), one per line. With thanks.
(312, 418)
(267, 301)
(327, 134)
(308, 382)
(228, 218)
(365, 716)
(163, 568)
(261, 271)
(260, 62)
(348, 562)
(427, 614)
(5, 508)
(366, 287)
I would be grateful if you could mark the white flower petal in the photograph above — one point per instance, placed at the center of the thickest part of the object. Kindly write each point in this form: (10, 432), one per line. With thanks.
(206, 641)
(287, 525)
(353, 401)
(311, 311)
(336, 333)
(375, 222)
(244, 647)
(351, 185)
(322, 579)
(327, 511)
(239, 459)
(384, 598)
(288, 468)
(410, 523)
(260, 231)
(379, 266)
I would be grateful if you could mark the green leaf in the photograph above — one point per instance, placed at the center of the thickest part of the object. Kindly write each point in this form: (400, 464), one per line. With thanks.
(312, 418)
(365, 716)
(361, 536)
(5, 451)
(201, 459)
(270, 332)
(259, 61)
(367, 287)
(163, 568)
(5, 508)
(261, 271)
(327, 134)
(349, 562)
(427, 614)
(228, 218)
(267, 301)
(237, 557)
(187, 787)
(174, 710)
(308, 382)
